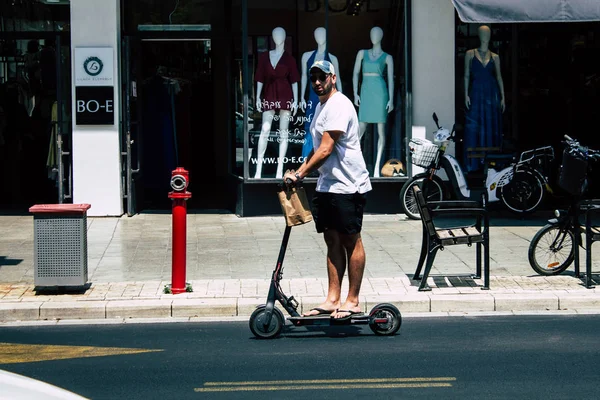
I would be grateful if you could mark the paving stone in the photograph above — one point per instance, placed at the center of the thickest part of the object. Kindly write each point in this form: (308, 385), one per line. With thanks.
(20, 311)
(462, 303)
(572, 301)
(138, 308)
(247, 305)
(526, 302)
(73, 310)
(410, 303)
(225, 307)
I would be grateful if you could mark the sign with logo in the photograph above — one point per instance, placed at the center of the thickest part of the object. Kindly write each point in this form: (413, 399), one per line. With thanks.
(94, 105)
(94, 66)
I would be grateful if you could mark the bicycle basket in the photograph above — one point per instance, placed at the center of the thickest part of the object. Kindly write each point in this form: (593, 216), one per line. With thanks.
(573, 172)
(422, 152)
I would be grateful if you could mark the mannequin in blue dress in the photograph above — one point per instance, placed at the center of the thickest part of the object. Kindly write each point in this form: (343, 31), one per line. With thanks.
(376, 95)
(484, 98)
(309, 107)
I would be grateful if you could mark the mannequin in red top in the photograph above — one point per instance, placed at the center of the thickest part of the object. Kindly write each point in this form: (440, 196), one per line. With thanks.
(276, 90)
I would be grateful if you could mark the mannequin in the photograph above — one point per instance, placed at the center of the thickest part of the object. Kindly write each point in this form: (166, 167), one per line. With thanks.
(484, 98)
(308, 59)
(375, 100)
(277, 82)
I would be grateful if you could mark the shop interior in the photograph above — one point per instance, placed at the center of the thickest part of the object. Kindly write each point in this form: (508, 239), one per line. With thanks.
(34, 79)
(175, 112)
(551, 80)
(29, 120)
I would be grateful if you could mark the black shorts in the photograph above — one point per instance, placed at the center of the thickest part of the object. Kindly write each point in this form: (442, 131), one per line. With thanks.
(341, 212)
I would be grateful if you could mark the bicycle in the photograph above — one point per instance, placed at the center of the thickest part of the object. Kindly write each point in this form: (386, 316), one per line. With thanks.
(520, 186)
(552, 249)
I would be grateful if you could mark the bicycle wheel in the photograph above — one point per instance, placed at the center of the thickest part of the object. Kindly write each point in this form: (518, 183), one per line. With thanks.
(524, 193)
(433, 191)
(551, 250)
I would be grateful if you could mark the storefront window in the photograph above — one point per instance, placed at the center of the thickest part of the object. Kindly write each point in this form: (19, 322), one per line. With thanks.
(35, 103)
(484, 88)
(283, 39)
(28, 16)
(547, 75)
(144, 14)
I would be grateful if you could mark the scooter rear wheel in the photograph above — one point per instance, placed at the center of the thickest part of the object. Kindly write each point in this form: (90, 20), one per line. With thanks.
(391, 314)
(273, 329)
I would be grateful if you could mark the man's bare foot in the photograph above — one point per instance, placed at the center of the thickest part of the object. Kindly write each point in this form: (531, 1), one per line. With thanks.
(347, 310)
(324, 309)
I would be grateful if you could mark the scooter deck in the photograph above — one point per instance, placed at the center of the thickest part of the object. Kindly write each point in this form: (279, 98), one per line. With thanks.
(328, 320)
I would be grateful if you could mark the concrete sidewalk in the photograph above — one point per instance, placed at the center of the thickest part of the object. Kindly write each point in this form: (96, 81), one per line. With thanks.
(230, 260)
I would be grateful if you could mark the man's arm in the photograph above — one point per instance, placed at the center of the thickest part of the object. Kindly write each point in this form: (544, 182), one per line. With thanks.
(316, 158)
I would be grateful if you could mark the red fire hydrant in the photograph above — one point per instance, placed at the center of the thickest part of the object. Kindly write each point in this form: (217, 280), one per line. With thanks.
(179, 196)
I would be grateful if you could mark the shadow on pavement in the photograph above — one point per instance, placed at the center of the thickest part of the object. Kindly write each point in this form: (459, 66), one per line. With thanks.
(5, 262)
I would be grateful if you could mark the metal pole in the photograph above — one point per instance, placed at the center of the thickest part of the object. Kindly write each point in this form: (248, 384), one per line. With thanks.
(245, 85)
(408, 80)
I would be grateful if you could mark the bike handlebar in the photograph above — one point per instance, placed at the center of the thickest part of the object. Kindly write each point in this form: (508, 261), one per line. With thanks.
(583, 151)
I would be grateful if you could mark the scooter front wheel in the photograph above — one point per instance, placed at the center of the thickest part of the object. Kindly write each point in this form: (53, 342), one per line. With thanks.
(385, 319)
(551, 250)
(266, 331)
(432, 190)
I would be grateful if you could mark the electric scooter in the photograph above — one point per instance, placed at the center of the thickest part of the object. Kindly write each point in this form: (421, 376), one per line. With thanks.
(267, 321)
(519, 186)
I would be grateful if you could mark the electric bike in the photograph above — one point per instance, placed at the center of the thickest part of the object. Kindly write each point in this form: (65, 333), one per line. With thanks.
(267, 321)
(519, 186)
(552, 249)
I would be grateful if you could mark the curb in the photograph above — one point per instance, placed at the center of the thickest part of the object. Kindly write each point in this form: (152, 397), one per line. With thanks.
(421, 304)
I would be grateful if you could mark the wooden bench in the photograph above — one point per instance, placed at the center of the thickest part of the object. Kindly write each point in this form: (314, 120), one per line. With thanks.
(436, 238)
(589, 210)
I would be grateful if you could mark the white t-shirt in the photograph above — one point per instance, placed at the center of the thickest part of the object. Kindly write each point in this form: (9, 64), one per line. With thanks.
(345, 170)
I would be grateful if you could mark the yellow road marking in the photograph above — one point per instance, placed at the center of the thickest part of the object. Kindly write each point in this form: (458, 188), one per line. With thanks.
(329, 381)
(328, 384)
(324, 387)
(13, 353)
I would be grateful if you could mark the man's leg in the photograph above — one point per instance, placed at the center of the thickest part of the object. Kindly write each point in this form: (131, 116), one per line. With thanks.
(353, 246)
(336, 267)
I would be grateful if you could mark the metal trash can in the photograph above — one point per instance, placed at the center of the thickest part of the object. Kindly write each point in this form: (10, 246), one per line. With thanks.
(60, 244)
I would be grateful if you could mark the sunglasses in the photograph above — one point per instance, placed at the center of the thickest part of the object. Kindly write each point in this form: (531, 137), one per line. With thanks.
(320, 77)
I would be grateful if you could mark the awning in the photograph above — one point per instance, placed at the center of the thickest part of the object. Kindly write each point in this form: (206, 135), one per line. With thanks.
(488, 11)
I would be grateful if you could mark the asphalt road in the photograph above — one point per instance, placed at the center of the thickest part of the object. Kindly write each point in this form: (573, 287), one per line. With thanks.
(527, 357)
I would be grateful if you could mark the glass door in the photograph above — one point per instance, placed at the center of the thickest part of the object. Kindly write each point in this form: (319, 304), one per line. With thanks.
(130, 131)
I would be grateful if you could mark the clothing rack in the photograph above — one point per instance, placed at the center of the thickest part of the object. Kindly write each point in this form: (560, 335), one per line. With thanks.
(5, 61)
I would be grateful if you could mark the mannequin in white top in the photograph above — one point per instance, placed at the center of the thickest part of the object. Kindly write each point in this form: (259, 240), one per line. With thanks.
(377, 99)
(285, 113)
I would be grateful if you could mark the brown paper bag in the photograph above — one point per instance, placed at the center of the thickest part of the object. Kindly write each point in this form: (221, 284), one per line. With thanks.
(294, 205)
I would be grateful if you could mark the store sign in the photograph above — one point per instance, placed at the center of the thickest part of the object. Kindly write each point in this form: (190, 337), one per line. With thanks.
(94, 105)
(94, 66)
(94, 86)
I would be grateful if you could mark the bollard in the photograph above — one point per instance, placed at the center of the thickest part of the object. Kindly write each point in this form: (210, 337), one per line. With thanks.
(179, 197)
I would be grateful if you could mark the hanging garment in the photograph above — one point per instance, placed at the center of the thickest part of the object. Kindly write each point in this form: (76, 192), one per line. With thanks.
(277, 90)
(311, 106)
(157, 135)
(483, 125)
(374, 94)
